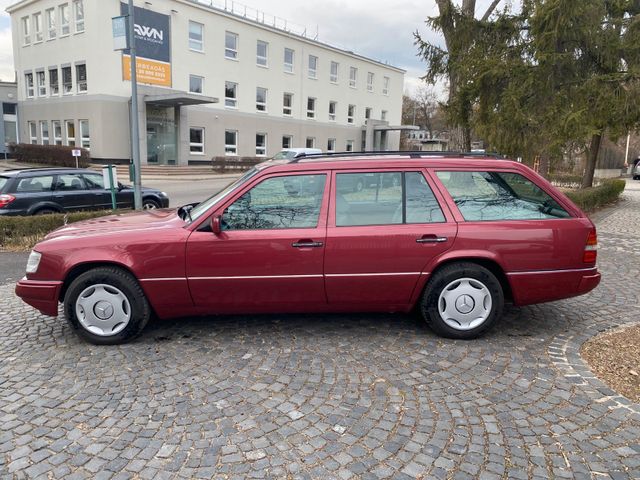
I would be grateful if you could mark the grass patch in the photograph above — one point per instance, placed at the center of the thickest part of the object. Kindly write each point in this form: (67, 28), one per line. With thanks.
(20, 234)
(589, 199)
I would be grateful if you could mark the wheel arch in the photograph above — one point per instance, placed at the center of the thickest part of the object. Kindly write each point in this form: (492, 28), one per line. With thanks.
(490, 264)
(81, 268)
(35, 208)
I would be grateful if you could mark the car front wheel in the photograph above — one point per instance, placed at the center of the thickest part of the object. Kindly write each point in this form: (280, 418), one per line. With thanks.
(463, 300)
(150, 204)
(106, 306)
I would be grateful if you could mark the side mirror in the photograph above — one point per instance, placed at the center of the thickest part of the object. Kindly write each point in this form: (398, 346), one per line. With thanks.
(216, 227)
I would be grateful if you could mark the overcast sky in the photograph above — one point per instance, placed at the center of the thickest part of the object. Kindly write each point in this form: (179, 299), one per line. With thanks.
(378, 29)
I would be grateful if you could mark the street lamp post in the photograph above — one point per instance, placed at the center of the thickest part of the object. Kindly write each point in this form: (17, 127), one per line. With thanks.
(135, 130)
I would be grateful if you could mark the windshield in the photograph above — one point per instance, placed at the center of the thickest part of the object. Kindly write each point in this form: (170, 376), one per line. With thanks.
(284, 155)
(3, 182)
(203, 207)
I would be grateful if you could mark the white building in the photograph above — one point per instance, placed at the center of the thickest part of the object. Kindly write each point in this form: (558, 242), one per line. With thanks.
(214, 82)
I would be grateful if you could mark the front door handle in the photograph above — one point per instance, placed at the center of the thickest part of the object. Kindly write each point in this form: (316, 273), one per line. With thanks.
(306, 244)
(431, 239)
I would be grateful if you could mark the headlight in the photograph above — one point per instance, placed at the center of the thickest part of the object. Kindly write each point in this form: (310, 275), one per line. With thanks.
(33, 262)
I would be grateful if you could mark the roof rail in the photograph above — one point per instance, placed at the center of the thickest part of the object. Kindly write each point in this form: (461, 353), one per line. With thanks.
(404, 153)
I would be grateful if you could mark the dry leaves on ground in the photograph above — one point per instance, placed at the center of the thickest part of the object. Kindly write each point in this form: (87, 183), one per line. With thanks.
(615, 358)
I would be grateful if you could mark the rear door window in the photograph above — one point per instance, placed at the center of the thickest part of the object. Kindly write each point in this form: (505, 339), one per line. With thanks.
(69, 183)
(486, 196)
(385, 198)
(3, 183)
(35, 184)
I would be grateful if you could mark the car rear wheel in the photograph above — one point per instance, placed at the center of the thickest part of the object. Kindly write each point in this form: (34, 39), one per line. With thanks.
(106, 306)
(149, 204)
(463, 300)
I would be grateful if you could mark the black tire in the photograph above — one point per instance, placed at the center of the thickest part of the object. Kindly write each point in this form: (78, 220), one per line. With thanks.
(140, 311)
(635, 177)
(149, 204)
(45, 211)
(446, 277)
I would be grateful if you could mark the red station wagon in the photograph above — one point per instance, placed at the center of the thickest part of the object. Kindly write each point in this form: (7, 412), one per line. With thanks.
(454, 235)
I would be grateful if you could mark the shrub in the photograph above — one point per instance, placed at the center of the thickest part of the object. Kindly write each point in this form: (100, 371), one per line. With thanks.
(54, 155)
(588, 199)
(22, 233)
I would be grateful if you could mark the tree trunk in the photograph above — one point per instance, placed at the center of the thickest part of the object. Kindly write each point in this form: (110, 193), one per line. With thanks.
(459, 135)
(592, 157)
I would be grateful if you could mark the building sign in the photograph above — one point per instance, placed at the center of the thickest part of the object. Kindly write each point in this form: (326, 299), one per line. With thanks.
(153, 48)
(119, 27)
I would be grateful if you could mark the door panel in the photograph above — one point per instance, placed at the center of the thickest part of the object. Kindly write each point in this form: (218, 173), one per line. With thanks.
(259, 261)
(381, 264)
(71, 192)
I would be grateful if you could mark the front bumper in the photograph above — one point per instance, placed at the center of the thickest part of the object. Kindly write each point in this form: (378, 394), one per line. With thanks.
(42, 295)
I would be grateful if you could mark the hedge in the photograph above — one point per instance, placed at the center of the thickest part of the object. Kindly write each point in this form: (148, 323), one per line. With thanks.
(22, 233)
(54, 155)
(588, 199)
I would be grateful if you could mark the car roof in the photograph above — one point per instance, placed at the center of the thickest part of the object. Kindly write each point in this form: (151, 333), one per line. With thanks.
(357, 160)
(30, 172)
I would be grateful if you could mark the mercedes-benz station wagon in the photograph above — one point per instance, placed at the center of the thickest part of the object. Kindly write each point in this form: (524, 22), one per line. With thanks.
(452, 236)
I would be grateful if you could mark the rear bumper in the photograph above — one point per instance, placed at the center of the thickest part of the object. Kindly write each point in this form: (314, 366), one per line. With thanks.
(42, 295)
(538, 287)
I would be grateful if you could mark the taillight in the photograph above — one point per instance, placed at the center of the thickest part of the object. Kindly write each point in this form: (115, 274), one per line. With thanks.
(591, 248)
(6, 200)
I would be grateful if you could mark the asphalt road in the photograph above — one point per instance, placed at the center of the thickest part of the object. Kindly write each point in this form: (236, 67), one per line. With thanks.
(188, 191)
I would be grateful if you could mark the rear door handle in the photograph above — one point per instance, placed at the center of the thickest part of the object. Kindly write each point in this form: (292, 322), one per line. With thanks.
(431, 239)
(306, 244)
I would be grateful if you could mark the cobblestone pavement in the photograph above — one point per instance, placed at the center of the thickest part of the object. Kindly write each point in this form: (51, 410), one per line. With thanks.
(326, 396)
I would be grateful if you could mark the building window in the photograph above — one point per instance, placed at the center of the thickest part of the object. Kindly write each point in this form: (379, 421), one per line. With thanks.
(331, 145)
(287, 103)
(81, 77)
(351, 113)
(78, 13)
(313, 66)
(332, 111)
(231, 94)
(26, 31)
(289, 55)
(33, 133)
(367, 113)
(196, 36)
(333, 74)
(196, 140)
(51, 23)
(231, 142)
(385, 85)
(261, 144)
(349, 147)
(37, 27)
(311, 107)
(262, 49)
(28, 83)
(370, 81)
(196, 84)
(383, 115)
(42, 84)
(44, 132)
(261, 99)
(311, 142)
(64, 19)
(67, 80)
(70, 129)
(231, 45)
(85, 137)
(353, 76)
(287, 141)
(56, 126)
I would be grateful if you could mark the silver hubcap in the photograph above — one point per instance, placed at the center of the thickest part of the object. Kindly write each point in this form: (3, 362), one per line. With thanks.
(465, 304)
(149, 206)
(103, 310)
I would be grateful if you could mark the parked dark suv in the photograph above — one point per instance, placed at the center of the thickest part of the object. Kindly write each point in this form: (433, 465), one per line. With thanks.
(37, 191)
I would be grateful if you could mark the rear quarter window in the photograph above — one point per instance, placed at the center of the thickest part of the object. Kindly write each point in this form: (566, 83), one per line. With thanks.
(3, 183)
(35, 184)
(486, 196)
